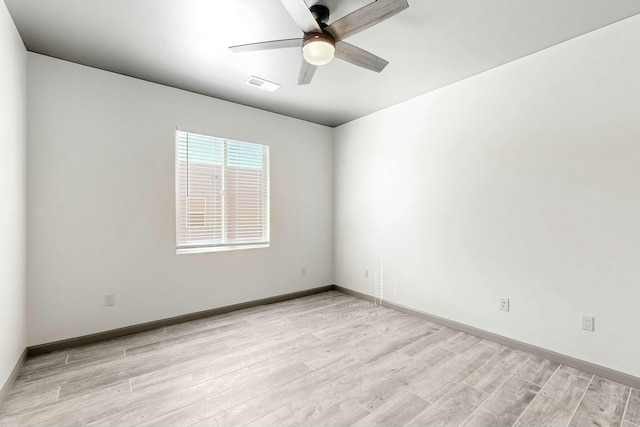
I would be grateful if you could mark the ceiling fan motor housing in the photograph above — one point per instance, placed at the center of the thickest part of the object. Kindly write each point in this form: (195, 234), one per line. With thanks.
(313, 37)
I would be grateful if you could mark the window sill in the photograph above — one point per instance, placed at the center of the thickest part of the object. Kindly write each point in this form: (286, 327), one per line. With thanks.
(219, 249)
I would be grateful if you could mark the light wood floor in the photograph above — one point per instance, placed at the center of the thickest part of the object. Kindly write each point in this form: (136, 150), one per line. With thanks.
(327, 359)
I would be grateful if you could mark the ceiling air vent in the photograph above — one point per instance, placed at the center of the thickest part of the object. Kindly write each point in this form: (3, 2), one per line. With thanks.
(262, 84)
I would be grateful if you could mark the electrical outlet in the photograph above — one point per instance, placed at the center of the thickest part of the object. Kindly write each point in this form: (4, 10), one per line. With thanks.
(303, 270)
(366, 274)
(109, 300)
(504, 304)
(588, 323)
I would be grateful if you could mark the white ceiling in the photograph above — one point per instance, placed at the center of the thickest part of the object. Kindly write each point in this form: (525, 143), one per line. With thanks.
(184, 43)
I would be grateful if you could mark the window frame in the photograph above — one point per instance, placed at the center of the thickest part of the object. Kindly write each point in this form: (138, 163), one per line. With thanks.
(266, 200)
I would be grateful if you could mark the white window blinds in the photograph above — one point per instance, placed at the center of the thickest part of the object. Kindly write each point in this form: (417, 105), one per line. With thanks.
(222, 193)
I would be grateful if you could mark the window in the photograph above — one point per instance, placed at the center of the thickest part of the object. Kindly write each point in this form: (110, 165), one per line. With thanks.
(222, 193)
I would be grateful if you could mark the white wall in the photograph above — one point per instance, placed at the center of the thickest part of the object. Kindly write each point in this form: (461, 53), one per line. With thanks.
(13, 116)
(102, 203)
(522, 182)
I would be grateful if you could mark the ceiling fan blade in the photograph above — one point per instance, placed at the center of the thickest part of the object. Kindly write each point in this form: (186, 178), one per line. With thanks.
(273, 44)
(306, 73)
(300, 13)
(365, 17)
(360, 57)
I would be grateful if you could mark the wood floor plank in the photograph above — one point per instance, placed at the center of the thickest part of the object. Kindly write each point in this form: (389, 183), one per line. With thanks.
(88, 362)
(321, 397)
(251, 355)
(452, 409)
(363, 320)
(344, 412)
(156, 382)
(64, 372)
(380, 389)
(274, 418)
(392, 344)
(493, 344)
(394, 325)
(326, 354)
(246, 413)
(273, 332)
(426, 343)
(299, 395)
(74, 411)
(556, 403)
(221, 375)
(602, 405)
(314, 307)
(505, 406)
(363, 384)
(208, 335)
(576, 372)
(497, 370)
(16, 403)
(30, 400)
(206, 408)
(130, 369)
(115, 345)
(44, 361)
(633, 408)
(442, 379)
(537, 370)
(214, 356)
(461, 342)
(146, 407)
(398, 411)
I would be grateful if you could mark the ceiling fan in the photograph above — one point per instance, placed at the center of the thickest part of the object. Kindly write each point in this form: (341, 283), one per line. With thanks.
(321, 42)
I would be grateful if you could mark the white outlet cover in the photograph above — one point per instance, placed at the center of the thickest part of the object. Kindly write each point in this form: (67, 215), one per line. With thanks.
(504, 304)
(588, 323)
(109, 300)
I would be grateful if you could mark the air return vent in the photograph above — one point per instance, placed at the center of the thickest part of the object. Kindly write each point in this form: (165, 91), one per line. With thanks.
(262, 84)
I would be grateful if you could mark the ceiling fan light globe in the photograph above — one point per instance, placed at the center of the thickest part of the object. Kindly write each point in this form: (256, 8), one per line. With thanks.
(318, 51)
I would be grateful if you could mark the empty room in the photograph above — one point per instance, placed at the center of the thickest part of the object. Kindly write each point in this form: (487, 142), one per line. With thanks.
(320, 213)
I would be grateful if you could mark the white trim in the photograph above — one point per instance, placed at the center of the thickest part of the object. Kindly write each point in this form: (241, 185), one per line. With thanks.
(219, 249)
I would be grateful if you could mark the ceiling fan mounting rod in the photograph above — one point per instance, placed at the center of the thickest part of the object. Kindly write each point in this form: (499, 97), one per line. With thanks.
(320, 14)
